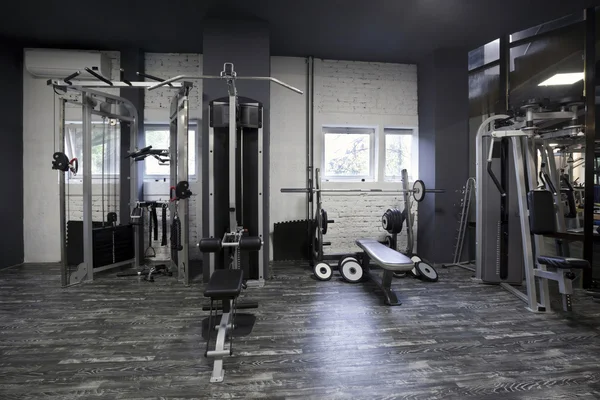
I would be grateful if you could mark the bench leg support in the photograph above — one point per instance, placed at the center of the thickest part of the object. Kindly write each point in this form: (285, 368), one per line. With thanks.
(384, 282)
(220, 351)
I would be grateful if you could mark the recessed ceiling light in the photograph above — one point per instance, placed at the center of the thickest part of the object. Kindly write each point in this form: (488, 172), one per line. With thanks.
(563, 79)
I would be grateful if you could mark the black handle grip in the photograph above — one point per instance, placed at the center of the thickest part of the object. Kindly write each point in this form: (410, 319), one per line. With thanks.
(98, 76)
(549, 183)
(72, 76)
(122, 77)
(154, 78)
(496, 182)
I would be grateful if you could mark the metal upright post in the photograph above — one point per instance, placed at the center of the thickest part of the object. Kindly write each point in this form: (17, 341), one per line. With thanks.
(260, 211)
(64, 278)
(408, 208)
(528, 250)
(232, 170)
(183, 174)
(211, 191)
(590, 142)
(88, 242)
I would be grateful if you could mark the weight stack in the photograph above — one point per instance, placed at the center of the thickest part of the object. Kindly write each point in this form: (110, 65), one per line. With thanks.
(290, 241)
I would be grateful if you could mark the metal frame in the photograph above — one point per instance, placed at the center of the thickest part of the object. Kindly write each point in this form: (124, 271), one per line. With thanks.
(85, 271)
(230, 76)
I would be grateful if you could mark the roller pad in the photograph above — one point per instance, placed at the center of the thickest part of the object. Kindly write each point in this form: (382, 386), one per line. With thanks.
(210, 245)
(564, 262)
(251, 243)
(224, 284)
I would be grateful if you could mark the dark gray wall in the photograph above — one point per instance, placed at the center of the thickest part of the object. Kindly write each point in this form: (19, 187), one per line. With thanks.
(246, 44)
(132, 61)
(11, 160)
(443, 148)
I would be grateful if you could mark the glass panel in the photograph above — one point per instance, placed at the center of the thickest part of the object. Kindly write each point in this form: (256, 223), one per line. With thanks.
(547, 26)
(484, 54)
(347, 154)
(398, 152)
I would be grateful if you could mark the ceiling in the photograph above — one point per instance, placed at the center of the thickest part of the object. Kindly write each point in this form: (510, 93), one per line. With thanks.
(375, 30)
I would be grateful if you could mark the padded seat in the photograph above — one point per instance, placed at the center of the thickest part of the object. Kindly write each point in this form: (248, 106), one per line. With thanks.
(385, 257)
(224, 284)
(564, 262)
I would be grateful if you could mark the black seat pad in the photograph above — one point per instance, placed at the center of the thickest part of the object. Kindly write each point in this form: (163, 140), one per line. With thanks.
(564, 262)
(224, 284)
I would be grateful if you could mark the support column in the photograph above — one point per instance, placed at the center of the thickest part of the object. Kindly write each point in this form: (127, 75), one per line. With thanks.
(132, 61)
(443, 148)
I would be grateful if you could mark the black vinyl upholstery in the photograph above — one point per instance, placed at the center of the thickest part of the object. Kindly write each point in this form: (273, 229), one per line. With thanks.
(564, 262)
(224, 284)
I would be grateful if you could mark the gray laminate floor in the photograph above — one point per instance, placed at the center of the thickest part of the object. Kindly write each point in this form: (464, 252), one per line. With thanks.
(117, 338)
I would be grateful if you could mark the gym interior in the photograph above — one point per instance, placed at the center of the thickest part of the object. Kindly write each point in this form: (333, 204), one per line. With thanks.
(313, 200)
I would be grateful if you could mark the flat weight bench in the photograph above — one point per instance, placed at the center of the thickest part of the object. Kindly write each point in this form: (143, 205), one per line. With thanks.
(224, 285)
(387, 259)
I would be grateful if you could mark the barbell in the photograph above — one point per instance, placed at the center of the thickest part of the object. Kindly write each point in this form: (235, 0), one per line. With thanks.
(418, 190)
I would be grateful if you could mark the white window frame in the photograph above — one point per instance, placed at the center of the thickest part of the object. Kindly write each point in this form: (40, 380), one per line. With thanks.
(158, 126)
(373, 133)
(413, 172)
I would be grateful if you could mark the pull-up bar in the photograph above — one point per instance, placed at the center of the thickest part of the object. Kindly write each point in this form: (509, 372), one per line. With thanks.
(227, 74)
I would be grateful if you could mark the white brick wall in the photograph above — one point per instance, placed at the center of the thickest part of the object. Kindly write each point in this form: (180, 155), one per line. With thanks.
(378, 95)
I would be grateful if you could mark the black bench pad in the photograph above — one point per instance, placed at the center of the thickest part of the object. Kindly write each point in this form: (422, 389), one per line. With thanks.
(564, 262)
(224, 284)
(385, 257)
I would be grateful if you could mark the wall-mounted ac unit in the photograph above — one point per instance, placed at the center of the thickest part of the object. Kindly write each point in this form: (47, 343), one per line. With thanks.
(48, 63)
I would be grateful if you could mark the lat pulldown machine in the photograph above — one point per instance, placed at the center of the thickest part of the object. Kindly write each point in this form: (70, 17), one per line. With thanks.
(235, 204)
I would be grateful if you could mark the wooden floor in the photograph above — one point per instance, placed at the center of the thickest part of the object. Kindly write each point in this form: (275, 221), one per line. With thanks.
(117, 338)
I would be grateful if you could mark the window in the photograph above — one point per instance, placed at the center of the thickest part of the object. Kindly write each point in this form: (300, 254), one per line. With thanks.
(348, 153)
(106, 146)
(158, 136)
(398, 152)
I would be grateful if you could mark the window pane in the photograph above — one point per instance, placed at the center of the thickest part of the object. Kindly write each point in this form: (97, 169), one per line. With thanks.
(159, 139)
(398, 151)
(347, 154)
(484, 54)
(547, 26)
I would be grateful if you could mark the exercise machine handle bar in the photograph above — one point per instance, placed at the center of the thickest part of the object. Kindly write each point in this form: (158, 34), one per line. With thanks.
(491, 172)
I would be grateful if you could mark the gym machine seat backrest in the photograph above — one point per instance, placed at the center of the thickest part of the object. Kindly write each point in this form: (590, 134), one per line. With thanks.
(224, 284)
(385, 257)
(543, 222)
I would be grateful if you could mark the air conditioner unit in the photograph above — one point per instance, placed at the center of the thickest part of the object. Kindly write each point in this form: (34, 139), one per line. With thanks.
(48, 63)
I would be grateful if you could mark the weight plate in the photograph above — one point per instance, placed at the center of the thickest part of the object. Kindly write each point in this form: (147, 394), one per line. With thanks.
(351, 271)
(388, 241)
(323, 271)
(385, 222)
(426, 272)
(345, 258)
(419, 190)
(323, 222)
(416, 259)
